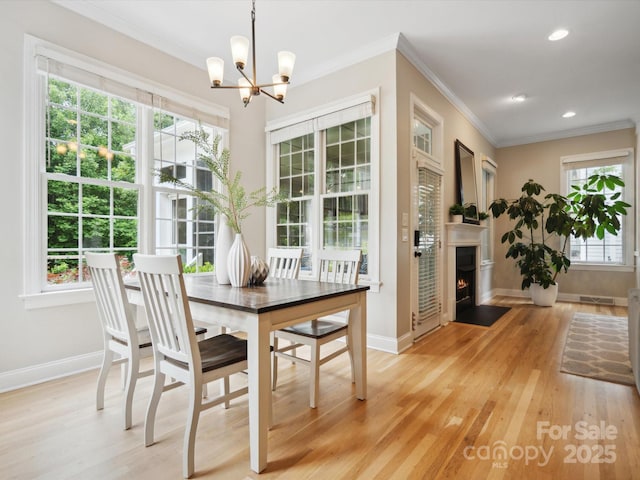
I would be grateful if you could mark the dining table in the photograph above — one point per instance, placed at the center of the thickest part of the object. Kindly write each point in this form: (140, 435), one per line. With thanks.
(258, 310)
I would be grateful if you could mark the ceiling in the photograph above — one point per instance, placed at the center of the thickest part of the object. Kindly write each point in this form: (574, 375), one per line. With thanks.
(479, 53)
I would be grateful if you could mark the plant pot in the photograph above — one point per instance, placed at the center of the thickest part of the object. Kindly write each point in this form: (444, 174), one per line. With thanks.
(223, 245)
(456, 218)
(544, 297)
(239, 263)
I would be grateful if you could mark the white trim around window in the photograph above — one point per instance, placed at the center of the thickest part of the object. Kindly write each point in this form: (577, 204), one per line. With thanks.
(40, 54)
(624, 157)
(314, 121)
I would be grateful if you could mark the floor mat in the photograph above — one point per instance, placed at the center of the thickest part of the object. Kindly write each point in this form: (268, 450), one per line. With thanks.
(483, 315)
(597, 346)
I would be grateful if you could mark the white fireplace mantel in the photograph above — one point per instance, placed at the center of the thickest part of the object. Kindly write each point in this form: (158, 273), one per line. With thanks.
(461, 235)
(464, 234)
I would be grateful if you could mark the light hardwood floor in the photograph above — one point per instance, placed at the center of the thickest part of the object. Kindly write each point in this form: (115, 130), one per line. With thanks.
(439, 410)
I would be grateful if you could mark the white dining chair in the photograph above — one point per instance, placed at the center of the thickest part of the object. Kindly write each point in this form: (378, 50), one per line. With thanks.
(120, 334)
(284, 262)
(177, 354)
(335, 266)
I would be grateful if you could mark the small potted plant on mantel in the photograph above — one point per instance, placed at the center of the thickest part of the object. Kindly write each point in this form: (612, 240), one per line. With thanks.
(456, 211)
(540, 236)
(482, 216)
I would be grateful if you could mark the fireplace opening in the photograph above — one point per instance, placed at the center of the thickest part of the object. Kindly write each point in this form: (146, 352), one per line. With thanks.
(465, 278)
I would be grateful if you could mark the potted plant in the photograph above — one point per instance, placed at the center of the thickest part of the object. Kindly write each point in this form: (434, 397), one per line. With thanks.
(232, 204)
(543, 227)
(482, 216)
(456, 211)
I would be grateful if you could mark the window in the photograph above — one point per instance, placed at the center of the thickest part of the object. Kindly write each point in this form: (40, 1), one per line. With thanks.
(422, 133)
(179, 226)
(297, 181)
(91, 153)
(325, 165)
(489, 170)
(345, 199)
(613, 251)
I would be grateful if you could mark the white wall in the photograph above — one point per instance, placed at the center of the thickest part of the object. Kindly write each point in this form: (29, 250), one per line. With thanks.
(56, 340)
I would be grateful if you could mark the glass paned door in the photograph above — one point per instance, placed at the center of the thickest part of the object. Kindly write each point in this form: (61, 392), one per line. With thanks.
(427, 307)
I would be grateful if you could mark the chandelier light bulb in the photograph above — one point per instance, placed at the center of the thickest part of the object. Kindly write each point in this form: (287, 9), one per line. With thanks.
(279, 89)
(239, 50)
(215, 67)
(286, 60)
(245, 90)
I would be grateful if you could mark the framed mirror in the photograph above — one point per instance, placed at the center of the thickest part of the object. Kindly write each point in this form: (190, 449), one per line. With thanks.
(466, 179)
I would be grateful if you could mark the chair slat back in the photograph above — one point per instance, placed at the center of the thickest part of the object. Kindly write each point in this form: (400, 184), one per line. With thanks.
(284, 262)
(114, 309)
(167, 306)
(339, 266)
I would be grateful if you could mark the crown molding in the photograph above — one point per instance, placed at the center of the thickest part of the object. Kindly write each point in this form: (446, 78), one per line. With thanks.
(574, 132)
(350, 58)
(409, 52)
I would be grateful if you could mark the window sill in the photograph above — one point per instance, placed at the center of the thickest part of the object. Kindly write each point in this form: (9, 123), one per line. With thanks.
(57, 299)
(599, 267)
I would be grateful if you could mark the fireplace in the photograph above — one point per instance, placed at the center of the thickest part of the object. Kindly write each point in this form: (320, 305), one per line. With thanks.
(465, 278)
(464, 239)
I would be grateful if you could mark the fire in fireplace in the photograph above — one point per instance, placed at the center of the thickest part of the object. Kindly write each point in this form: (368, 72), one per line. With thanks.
(465, 278)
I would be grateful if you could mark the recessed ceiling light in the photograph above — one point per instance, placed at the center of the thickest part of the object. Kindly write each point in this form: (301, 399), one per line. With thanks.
(568, 114)
(558, 34)
(519, 98)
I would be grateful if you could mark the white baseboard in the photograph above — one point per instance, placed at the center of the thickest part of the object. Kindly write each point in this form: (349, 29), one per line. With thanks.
(24, 377)
(389, 344)
(563, 297)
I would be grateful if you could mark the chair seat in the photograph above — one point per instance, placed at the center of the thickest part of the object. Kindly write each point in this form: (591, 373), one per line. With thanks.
(144, 336)
(217, 352)
(316, 328)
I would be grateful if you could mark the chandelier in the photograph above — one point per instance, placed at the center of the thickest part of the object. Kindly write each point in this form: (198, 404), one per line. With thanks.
(249, 87)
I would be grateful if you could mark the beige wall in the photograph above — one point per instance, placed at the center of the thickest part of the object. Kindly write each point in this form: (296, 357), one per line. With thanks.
(45, 336)
(541, 162)
(389, 311)
(377, 72)
(456, 126)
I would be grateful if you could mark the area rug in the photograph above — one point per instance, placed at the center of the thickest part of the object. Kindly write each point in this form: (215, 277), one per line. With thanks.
(483, 315)
(597, 346)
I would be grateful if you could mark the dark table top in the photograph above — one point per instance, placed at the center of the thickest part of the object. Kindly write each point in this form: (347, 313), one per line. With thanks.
(273, 294)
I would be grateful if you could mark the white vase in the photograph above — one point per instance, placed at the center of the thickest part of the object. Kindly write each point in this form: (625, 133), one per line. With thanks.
(456, 218)
(224, 240)
(239, 263)
(544, 297)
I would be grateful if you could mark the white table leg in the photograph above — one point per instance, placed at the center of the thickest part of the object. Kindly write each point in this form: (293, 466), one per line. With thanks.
(358, 321)
(259, 391)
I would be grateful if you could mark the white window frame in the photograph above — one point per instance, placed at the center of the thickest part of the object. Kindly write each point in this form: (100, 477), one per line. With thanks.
(624, 156)
(489, 178)
(35, 295)
(311, 121)
(428, 116)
